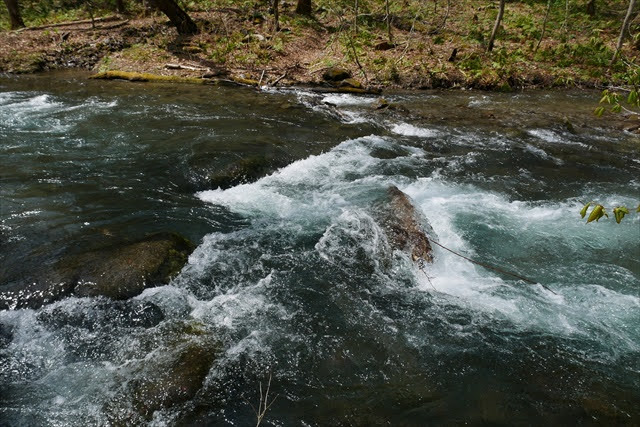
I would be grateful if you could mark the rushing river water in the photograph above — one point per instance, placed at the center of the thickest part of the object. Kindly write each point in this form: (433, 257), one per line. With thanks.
(293, 277)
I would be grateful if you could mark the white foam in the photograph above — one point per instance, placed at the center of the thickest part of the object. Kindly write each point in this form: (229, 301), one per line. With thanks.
(406, 129)
(345, 99)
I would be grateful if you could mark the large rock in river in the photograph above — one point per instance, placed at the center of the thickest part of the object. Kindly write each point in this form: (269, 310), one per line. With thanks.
(122, 272)
(119, 271)
(164, 378)
(405, 226)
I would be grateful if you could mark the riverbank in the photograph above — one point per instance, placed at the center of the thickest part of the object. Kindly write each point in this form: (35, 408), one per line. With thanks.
(442, 49)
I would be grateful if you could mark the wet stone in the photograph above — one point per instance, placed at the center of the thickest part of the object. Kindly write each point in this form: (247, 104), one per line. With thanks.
(119, 271)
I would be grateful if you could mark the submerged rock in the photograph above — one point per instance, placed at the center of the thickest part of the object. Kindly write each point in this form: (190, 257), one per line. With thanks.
(403, 224)
(6, 335)
(122, 272)
(34, 293)
(102, 313)
(118, 271)
(165, 378)
(248, 169)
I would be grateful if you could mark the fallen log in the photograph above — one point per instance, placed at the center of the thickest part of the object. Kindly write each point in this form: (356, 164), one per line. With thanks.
(67, 24)
(147, 77)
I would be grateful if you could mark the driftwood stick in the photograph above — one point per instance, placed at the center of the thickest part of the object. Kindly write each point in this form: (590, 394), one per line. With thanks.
(278, 79)
(183, 67)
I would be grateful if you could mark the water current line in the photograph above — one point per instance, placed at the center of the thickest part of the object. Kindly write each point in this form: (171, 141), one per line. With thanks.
(490, 267)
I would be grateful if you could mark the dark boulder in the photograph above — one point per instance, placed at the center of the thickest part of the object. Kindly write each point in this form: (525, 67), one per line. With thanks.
(165, 379)
(33, 293)
(245, 170)
(335, 74)
(101, 313)
(122, 272)
(118, 271)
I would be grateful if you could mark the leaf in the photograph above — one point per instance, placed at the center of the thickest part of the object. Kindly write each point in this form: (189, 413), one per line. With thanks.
(638, 210)
(633, 97)
(599, 111)
(596, 214)
(620, 212)
(583, 212)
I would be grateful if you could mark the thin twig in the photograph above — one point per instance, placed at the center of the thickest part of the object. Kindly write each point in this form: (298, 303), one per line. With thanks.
(490, 267)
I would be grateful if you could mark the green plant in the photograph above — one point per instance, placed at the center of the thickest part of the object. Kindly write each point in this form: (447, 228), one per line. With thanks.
(599, 211)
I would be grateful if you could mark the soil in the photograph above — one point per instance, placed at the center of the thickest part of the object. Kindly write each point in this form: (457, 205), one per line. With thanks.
(234, 44)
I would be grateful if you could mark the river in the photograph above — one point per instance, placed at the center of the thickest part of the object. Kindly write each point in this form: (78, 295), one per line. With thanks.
(294, 283)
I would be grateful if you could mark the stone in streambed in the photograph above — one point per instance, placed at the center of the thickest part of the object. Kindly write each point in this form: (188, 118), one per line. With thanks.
(164, 378)
(101, 313)
(122, 272)
(248, 169)
(403, 225)
(118, 271)
(335, 74)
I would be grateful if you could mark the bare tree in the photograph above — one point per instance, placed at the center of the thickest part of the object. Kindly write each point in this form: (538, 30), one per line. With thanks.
(178, 17)
(623, 30)
(304, 7)
(276, 16)
(14, 14)
(496, 26)
(388, 19)
(544, 25)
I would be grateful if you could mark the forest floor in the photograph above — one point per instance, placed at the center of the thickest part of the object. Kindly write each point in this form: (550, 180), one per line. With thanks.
(429, 47)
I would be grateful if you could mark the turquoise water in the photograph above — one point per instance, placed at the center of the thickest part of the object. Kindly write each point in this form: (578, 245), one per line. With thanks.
(293, 277)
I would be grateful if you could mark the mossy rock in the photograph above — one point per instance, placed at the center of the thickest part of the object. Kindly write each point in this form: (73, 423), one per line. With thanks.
(335, 74)
(146, 77)
(352, 83)
(118, 271)
(124, 271)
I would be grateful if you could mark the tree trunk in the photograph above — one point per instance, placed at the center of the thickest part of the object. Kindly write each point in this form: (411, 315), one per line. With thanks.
(276, 16)
(591, 8)
(388, 19)
(14, 14)
(304, 7)
(176, 15)
(625, 27)
(544, 26)
(496, 26)
(120, 6)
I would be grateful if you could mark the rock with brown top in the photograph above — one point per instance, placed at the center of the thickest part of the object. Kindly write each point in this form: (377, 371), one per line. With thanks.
(403, 224)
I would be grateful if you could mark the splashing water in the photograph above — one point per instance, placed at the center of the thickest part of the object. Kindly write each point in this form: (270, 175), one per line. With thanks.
(294, 275)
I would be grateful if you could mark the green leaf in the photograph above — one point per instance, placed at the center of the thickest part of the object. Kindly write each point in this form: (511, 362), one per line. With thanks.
(583, 212)
(638, 210)
(599, 111)
(633, 97)
(620, 212)
(596, 214)
(616, 108)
